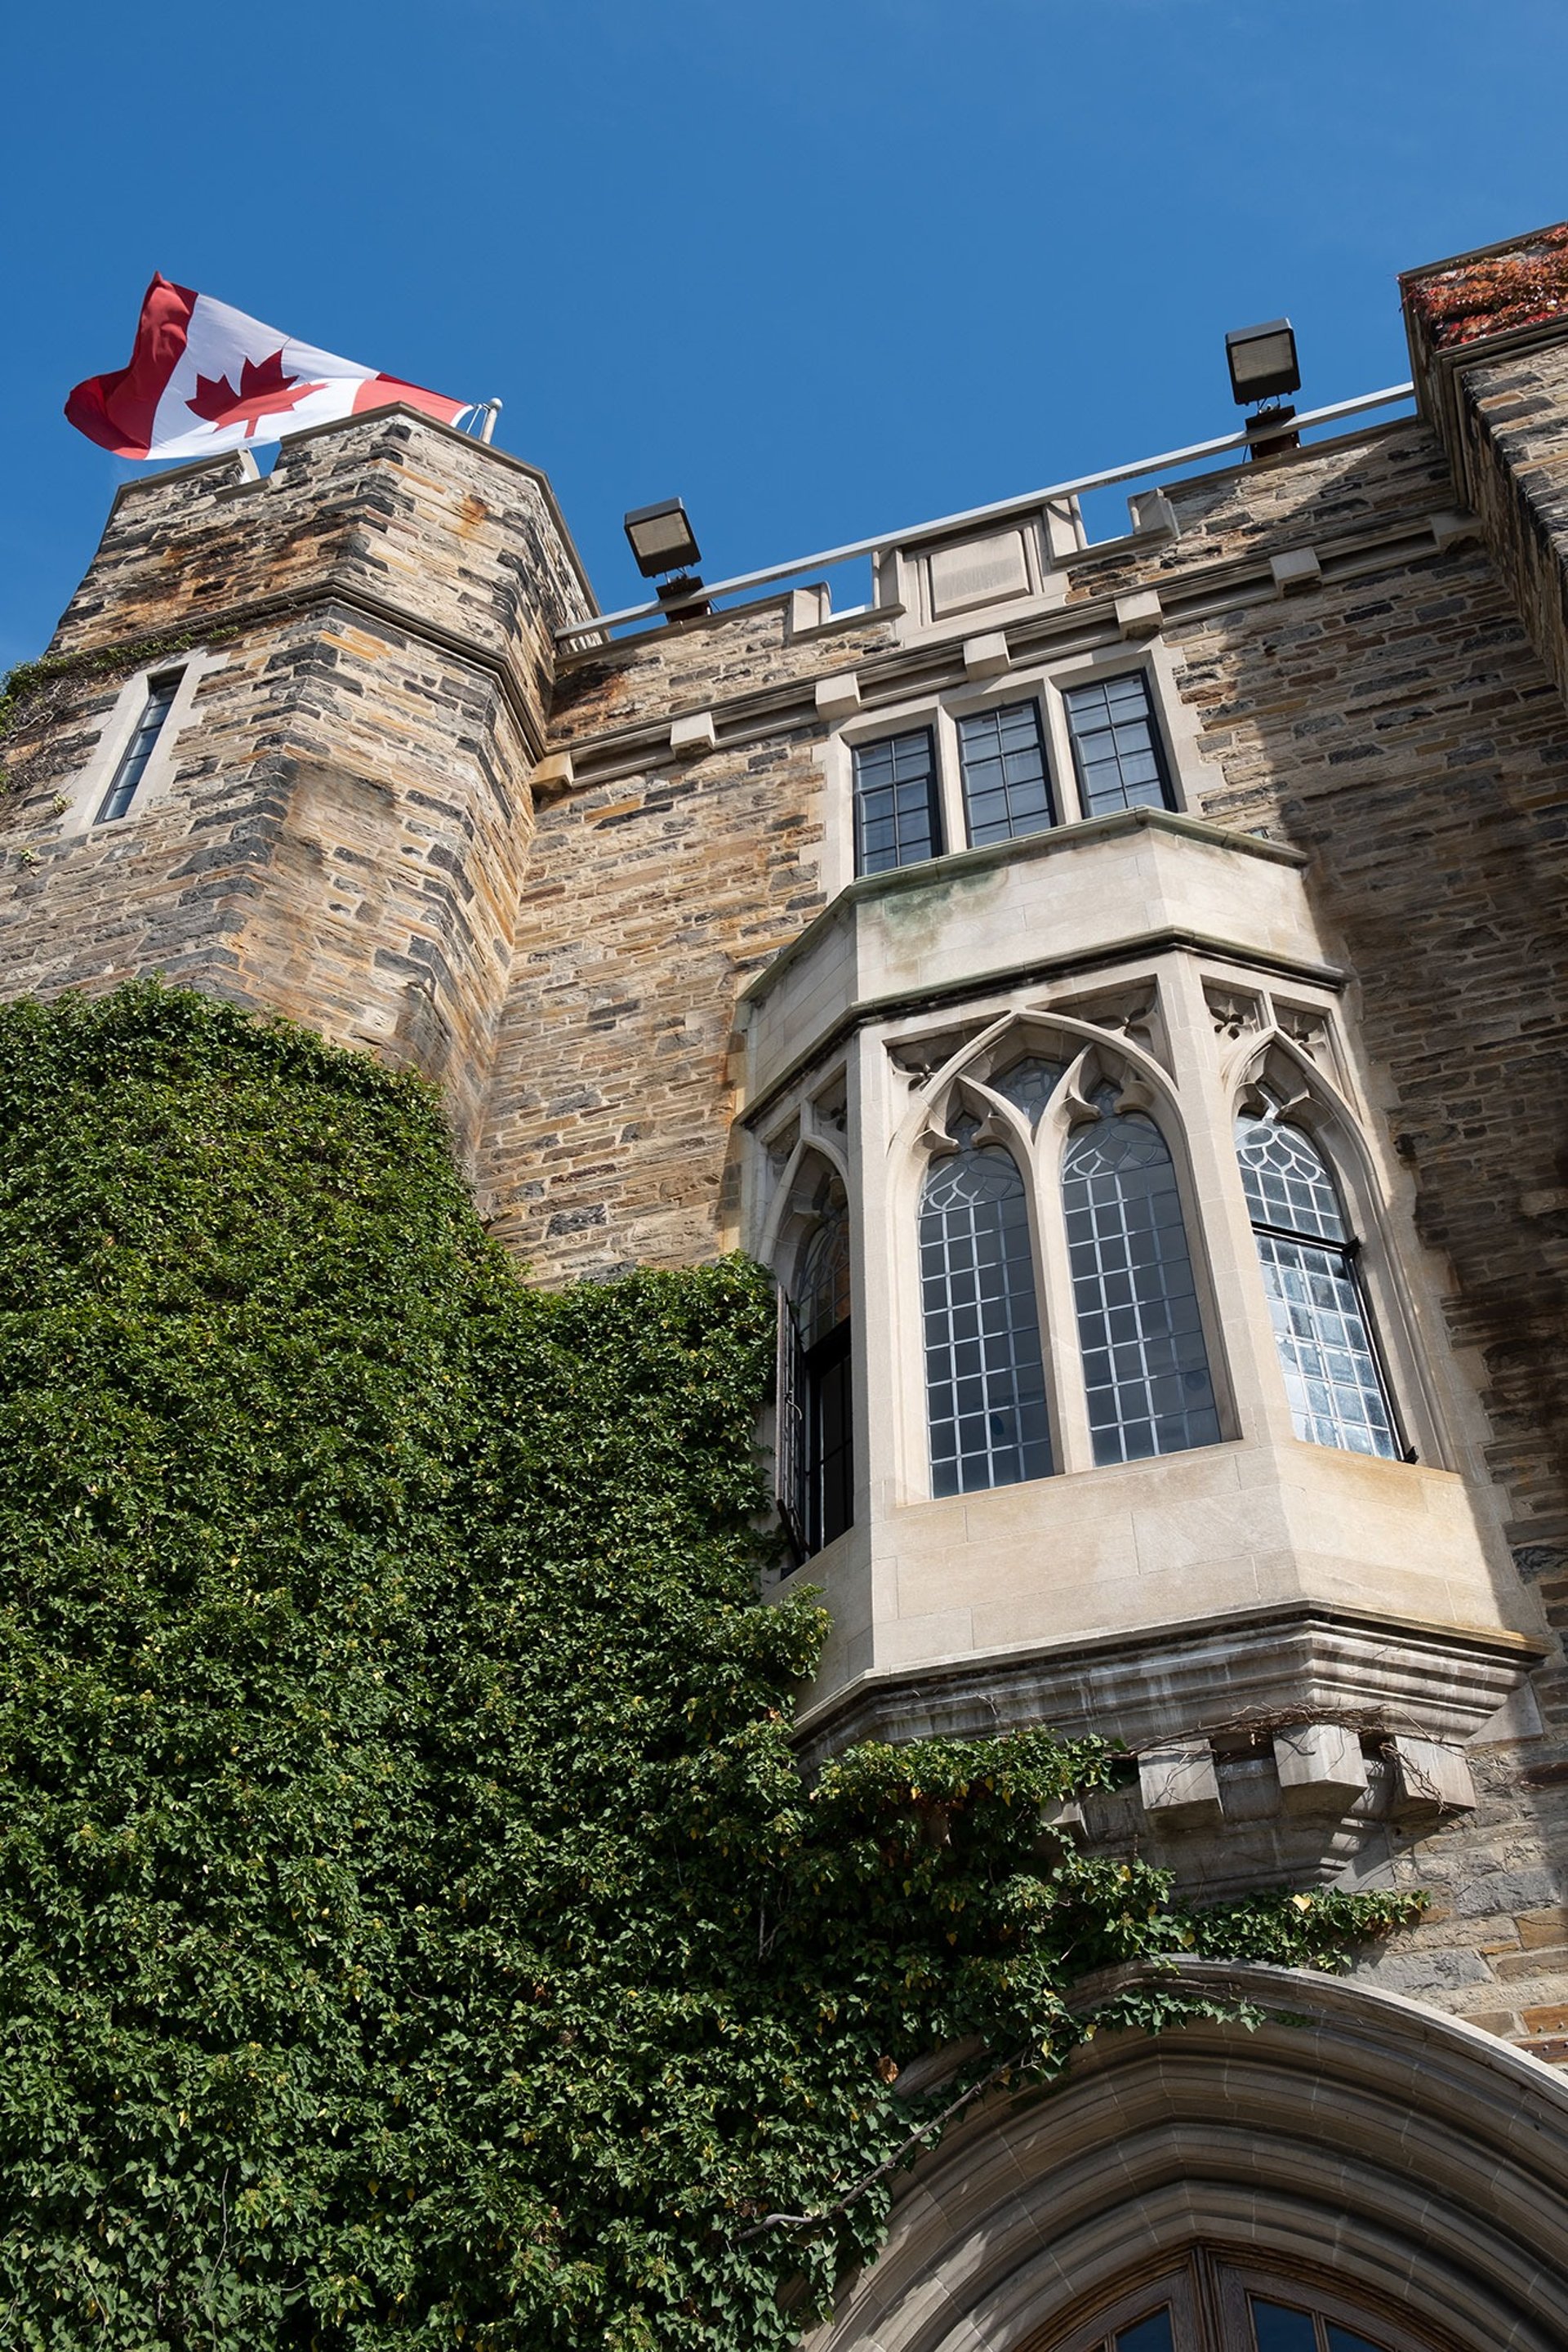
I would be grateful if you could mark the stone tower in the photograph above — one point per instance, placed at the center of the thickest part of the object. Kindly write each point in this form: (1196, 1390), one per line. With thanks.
(335, 821)
(1119, 987)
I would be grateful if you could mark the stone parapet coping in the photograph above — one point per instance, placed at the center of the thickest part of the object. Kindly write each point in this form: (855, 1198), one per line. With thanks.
(224, 463)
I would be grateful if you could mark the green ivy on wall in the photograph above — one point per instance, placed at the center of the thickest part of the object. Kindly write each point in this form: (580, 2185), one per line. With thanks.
(413, 1928)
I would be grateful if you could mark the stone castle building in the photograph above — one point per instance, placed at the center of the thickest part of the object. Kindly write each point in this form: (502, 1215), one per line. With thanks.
(1119, 987)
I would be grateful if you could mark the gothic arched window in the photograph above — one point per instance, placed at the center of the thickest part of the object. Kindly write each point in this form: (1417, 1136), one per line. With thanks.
(1308, 1255)
(1145, 1366)
(816, 1428)
(985, 1383)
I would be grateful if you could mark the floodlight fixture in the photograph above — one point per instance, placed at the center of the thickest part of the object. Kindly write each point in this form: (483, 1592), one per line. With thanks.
(1262, 362)
(661, 537)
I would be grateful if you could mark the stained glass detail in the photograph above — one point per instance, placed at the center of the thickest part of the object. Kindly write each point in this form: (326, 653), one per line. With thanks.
(986, 1386)
(1030, 1084)
(1332, 1377)
(132, 766)
(1145, 1365)
(896, 821)
(1006, 783)
(1116, 745)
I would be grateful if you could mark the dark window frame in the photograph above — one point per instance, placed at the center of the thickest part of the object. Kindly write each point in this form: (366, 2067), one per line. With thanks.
(995, 713)
(1157, 745)
(158, 703)
(872, 859)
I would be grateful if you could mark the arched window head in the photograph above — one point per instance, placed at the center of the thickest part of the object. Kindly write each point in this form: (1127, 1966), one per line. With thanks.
(1145, 1365)
(986, 1384)
(1332, 1377)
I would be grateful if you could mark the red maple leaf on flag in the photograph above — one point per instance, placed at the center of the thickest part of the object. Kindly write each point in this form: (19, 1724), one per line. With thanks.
(264, 391)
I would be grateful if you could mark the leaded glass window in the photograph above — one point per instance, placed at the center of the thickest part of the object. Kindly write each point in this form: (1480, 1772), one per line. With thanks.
(1145, 1366)
(820, 1297)
(1006, 783)
(896, 816)
(1030, 1084)
(132, 765)
(1116, 744)
(985, 1383)
(1333, 1377)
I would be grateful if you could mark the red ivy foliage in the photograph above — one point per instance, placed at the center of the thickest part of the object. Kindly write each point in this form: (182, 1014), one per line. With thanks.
(1520, 289)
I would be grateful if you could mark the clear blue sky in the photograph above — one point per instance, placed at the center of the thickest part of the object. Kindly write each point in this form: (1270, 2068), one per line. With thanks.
(823, 268)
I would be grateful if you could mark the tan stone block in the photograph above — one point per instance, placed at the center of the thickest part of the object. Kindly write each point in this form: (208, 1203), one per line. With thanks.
(1543, 1964)
(1540, 1930)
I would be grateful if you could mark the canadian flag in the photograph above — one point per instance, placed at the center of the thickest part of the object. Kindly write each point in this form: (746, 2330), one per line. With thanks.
(204, 378)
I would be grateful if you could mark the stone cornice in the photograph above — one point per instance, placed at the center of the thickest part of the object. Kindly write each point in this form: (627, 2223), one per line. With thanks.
(229, 619)
(936, 664)
(1301, 1660)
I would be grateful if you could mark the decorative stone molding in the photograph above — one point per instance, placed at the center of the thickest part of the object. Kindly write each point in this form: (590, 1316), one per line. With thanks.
(838, 697)
(1179, 1785)
(691, 736)
(986, 657)
(1298, 1662)
(1139, 613)
(1321, 1769)
(1299, 569)
(1293, 2141)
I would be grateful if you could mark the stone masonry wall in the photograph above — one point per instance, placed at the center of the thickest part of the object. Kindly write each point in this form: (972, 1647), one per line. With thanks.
(1397, 722)
(346, 829)
(347, 837)
(1402, 727)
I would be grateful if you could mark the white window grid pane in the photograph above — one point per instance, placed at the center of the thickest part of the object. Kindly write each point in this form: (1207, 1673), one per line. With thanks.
(985, 1387)
(1145, 1365)
(1120, 760)
(1331, 1375)
(132, 765)
(895, 801)
(1287, 1181)
(1006, 783)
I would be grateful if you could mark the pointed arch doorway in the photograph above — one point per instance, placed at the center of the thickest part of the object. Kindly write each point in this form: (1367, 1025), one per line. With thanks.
(1358, 2173)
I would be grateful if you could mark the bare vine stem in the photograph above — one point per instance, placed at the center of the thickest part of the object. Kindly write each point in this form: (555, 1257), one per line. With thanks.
(889, 2164)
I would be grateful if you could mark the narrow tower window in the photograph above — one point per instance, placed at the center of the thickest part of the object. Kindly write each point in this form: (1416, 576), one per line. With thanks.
(132, 765)
(1007, 785)
(1116, 744)
(1331, 1373)
(896, 817)
(986, 1385)
(1145, 1367)
(815, 1424)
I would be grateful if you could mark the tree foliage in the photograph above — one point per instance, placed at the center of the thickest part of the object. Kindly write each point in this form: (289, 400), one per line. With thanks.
(414, 1930)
